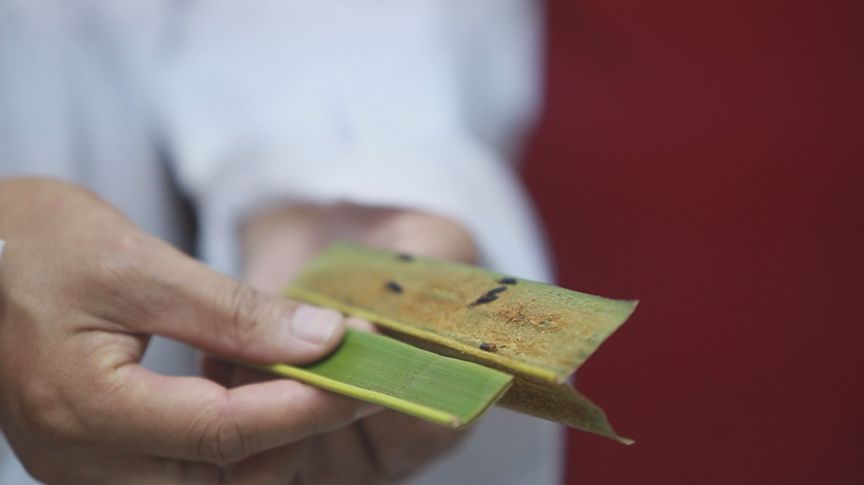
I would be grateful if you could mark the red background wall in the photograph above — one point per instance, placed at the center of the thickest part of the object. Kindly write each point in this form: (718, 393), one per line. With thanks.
(706, 157)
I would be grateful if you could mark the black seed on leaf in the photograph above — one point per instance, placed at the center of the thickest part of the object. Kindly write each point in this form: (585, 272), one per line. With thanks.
(488, 347)
(394, 287)
(507, 281)
(405, 257)
(487, 298)
(495, 291)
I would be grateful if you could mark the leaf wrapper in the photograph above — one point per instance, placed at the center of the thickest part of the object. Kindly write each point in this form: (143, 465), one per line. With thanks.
(537, 332)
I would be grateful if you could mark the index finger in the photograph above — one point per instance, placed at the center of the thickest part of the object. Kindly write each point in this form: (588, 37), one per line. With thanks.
(194, 419)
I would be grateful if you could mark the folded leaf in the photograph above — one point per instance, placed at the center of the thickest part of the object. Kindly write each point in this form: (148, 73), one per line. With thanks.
(384, 371)
(537, 332)
(530, 328)
(560, 403)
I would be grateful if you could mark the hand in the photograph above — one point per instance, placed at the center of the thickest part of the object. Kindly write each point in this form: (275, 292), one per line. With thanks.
(81, 291)
(390, 445)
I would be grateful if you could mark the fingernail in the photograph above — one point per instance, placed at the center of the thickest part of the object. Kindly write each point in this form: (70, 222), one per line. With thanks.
(315, 325)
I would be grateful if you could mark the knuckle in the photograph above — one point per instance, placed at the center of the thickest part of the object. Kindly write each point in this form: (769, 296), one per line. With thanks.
(123, 277)
(117, 266)
(222, 441)
(245, 304)
(44, 414)
(122, 257)
(460, 241)
(452, 240)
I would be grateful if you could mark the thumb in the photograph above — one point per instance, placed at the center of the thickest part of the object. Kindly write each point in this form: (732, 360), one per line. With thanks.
(205, 309)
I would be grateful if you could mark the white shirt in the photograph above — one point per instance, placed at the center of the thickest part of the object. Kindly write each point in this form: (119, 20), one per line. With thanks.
(417, 104)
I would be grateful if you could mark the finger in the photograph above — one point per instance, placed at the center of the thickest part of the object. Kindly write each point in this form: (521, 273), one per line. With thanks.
(93, 465)
(428, 235)
(104, 467)
(403, 444)
(343, 456)
(194, 419)
(277, 466)
(97, 465)
(189, 302)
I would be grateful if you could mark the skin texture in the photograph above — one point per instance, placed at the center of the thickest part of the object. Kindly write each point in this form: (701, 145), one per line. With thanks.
(388, 446)
(81, 291)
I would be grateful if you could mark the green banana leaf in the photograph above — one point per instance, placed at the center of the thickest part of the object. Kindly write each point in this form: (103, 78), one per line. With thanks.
(393, 374)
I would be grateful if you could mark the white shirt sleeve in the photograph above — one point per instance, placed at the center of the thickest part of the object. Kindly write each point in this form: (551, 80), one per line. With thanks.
(417, 104)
